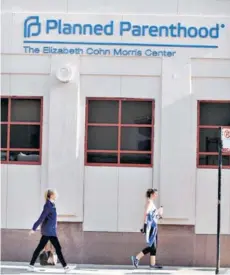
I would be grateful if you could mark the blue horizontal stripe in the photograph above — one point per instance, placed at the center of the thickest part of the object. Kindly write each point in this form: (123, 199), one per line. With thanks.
(120, 44)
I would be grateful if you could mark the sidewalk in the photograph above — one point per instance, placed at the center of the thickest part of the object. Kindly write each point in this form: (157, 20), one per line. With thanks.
(21, 268)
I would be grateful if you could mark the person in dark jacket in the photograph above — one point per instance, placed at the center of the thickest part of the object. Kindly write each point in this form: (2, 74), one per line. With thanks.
(48, 221)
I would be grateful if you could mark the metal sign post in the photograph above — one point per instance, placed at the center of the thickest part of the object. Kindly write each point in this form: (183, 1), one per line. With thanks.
(223, 144)
(219, 202)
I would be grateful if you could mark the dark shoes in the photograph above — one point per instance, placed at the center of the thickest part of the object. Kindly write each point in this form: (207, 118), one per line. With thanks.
(156, 266)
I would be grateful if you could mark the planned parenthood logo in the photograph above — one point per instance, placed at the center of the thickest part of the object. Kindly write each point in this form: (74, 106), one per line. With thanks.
(32, 26)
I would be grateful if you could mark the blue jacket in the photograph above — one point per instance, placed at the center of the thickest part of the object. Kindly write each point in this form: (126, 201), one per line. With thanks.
(48, 219)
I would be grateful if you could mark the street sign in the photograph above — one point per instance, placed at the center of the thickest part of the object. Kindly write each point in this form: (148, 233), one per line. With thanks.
(225, 136)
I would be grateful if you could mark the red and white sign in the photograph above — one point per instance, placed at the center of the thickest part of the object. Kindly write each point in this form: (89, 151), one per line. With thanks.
(226, 139)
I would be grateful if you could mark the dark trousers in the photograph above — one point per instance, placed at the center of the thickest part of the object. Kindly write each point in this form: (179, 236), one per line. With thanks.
(43, 241)
(151, 249)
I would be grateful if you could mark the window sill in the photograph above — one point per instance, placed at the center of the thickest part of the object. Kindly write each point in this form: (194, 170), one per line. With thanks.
(211, 167)
(21, 162)
(69, 218)
(118, 165)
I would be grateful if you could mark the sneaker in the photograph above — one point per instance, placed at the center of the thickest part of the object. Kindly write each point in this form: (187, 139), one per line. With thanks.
(156, 266)
(69, 268)
(135, 261)
(31, 268)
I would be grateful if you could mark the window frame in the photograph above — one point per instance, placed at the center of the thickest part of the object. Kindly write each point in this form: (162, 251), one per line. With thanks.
(198, 153)
(9, 123)
(119, 125)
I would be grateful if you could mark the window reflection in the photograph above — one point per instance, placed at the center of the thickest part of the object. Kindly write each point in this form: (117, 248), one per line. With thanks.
(24, 156)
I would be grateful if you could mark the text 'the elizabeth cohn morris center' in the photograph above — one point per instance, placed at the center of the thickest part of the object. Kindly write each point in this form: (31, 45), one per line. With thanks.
(100, 51)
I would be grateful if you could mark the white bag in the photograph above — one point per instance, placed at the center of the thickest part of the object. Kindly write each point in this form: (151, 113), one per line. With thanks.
(52, 259)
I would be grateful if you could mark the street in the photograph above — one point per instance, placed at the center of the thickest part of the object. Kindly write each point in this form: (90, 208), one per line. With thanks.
(21, 268)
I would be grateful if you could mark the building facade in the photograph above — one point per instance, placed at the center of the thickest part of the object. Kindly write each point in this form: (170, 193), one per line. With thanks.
(102, 100)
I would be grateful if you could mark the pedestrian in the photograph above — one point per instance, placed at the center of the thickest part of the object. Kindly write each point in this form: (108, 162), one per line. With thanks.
(48, 221)
(151, 216)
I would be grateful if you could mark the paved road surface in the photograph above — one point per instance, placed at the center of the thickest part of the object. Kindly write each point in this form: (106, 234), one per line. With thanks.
(20, 268)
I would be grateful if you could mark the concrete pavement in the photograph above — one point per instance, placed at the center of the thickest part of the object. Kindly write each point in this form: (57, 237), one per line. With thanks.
(21, 268)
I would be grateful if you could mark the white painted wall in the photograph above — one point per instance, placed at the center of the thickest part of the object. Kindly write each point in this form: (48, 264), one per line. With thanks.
(114, 197)
(132, 186)
(100, 199)
(23, 200)
(4, 193)
(209, 84)
(206, 201)
(65, 150)
(190, 7)
(100, 196)
(177, 149)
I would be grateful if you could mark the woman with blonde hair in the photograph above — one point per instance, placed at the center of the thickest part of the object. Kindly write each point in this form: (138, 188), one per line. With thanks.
(48, 256)
(48, 221)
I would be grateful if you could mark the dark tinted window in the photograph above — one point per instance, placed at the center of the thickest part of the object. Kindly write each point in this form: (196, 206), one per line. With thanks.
(103, 111)
(209, 140)
(24, 156)
(213, 160)
(136, 139)
(136, 112)
(101, 158)
(102, 138)
(21, 130)
(25, 136)
(211, 116)
(4, 109)
(129, 141)
(3, 155)
(25, 110)
(136, 158)
(215, 114)
(3, 136)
